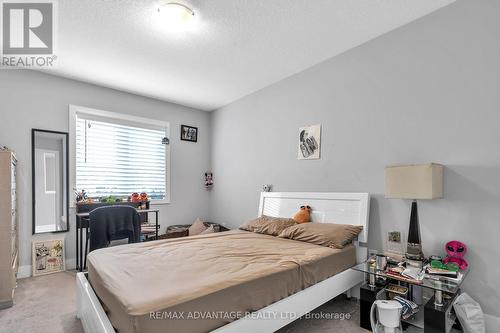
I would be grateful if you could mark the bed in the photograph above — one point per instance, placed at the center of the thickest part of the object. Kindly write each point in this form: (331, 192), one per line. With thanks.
(225, 282)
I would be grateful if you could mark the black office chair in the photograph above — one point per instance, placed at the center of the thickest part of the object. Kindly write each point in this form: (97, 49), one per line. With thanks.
(111, 223)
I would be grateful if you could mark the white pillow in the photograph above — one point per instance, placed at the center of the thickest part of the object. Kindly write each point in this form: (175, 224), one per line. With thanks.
(197, 227)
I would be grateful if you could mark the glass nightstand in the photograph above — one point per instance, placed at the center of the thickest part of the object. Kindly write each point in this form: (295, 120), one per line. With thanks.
(438, 284)
(437, 314)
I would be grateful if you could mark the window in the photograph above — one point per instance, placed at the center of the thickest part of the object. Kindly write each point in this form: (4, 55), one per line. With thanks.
(116, 157)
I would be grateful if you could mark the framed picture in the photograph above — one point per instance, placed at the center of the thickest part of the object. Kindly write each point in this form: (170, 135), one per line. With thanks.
(309, 142)
(48, 256)
(189, 133)
(394, 244)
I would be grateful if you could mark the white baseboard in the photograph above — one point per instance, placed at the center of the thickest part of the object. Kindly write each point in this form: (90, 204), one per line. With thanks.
(492, 323)
(25, 271)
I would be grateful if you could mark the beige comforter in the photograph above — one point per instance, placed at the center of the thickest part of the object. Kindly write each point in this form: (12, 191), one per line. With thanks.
(154, 286)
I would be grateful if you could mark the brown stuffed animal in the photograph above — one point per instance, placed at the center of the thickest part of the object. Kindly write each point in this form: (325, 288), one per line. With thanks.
(303, 215)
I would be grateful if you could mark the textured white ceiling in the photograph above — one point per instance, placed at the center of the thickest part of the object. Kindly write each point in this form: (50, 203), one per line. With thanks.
(236, 48)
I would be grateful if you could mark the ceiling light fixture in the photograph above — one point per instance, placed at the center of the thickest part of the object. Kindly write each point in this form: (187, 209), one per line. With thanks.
(176, 16)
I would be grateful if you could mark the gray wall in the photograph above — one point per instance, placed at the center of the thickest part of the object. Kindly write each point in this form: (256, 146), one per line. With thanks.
(426, 92)
(34, 100)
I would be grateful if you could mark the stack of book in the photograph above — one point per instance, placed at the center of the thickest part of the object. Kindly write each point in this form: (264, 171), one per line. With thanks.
(443, 274)
(147, 228)
(411, 274)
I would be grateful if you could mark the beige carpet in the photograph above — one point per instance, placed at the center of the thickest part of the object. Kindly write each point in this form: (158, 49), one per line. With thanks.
(43, 304)
(47, 304)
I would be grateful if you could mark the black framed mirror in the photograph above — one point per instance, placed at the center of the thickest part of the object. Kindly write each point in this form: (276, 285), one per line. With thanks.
(50, 179)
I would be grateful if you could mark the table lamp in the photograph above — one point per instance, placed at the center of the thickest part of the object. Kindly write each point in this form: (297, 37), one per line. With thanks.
(414, 182)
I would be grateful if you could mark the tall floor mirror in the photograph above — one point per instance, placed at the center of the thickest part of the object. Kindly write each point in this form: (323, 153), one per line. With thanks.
(49, 156)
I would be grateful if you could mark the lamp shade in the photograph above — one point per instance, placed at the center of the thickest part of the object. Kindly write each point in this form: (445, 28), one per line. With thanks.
(424, 181)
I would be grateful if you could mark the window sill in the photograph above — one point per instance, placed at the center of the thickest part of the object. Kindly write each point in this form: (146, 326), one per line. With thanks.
(72, 204)
(159, 202)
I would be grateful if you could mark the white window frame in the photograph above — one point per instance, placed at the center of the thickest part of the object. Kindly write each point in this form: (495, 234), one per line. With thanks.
(75, 110)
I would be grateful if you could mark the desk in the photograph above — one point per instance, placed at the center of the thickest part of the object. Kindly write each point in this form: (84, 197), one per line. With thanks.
(82, 222)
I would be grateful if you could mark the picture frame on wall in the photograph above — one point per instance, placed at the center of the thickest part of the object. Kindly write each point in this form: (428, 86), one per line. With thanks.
(189, 133)
(48, 256)
(309, 147)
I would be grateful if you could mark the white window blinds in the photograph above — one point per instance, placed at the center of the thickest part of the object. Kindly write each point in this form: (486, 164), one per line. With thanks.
(114, 159)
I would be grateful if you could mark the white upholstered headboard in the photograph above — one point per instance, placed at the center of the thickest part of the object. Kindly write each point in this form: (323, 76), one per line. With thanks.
(327, 207)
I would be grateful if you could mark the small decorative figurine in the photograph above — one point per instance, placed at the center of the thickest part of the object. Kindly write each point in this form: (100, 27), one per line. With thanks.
(209, 181)
(456, 251)
(303, 215)
(135, 197)
(81, 196)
